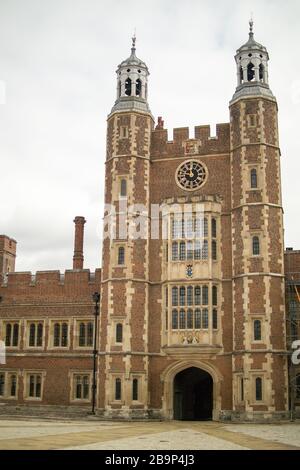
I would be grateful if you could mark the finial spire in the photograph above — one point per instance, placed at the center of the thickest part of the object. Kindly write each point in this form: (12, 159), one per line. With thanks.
(251, 22)
(133, 41)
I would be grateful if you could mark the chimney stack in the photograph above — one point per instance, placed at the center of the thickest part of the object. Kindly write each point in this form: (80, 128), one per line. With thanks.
(78, 243)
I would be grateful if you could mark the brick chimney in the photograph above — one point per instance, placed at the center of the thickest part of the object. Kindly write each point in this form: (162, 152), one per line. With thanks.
(78, 242)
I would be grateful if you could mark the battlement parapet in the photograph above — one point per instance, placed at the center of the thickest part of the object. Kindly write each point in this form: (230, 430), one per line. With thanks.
(202, 143)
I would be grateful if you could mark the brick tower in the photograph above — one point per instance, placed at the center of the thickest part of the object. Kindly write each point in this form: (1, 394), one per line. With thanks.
(7, 254)
(123, 364)
(259, 350)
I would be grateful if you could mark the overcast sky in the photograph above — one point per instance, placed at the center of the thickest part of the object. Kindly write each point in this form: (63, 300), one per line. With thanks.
(57, 69)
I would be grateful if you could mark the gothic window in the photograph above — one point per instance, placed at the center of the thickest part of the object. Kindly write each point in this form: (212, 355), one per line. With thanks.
(258, 389)
(182, 295)
(255, 246)
(174, 319)
(118, 391)
(119, 333)
(86, 330)
(197, 250)
(135, 389)
(253, 174)
(35, 386)
(174, 251)
(123, 187)
(11, 334)
(242, 389)
(174, 296)
(182, 253)
(261, 72)
(64, 335)
(250, 72)
(81, 387)
(121, 255)
(205, 227)
(189, 319)
(215, 319)
(190, 250)
(241, 74)
(35, 335)
(190, 295)
(214, 250)
(214, 295)
(205, 295)
(128, 87)
(197, 295)
(197, 318)
(205, 249)
(205, 318)
(257, 330)
(138, 87)
(56, 339)
(182, 325)
(213, 228)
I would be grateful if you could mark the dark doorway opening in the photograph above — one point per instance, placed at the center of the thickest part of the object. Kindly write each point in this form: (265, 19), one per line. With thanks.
(193, 395)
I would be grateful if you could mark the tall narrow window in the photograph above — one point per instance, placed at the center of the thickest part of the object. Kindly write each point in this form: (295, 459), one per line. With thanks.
(8, 335)
(86, 387)
(174, 251)
(215, 295)
(298, 386)
(56, 339)
(182, 295)
(255, 246)
(35, 386)
(205, 227)
(261, 72)
(197, 318)
(128, 87)
(205, 249)
(241, 75)
(121, 255)
(135, 389)
(118, 393)
(15, 339)
(189, 250)
(32, 334)
(205, 295)
(13, 385)
(82, 334)
(189, 320)
(257, 330)
(258, 389)
(2, 385)
(119, 333)
(242, 389)
(175, 296)
(182, 254)
(250, 72)
(64, 335)
(197, 250)
(213, 228)
(253, 178)
(90, 331)
(190, 295)
(123, 187)
(174, 319)
(182, 325)
(205, 318)
(215, 318)
(138, 87)
(39, 339)
(197, 295)
(214, 249)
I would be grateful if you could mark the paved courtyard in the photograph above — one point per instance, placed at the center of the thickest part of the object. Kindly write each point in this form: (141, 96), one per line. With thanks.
(175, 435)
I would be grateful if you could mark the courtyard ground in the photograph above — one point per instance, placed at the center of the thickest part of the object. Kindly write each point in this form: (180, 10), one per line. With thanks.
(37, 434)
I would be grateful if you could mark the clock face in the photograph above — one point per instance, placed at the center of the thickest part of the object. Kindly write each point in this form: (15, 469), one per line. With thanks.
(191, 175)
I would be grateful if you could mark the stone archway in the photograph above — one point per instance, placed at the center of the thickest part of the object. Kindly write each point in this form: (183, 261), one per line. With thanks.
(193, 395)
(168, 379)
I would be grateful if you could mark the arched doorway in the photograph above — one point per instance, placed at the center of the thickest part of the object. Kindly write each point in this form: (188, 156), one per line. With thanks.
(193, 395)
